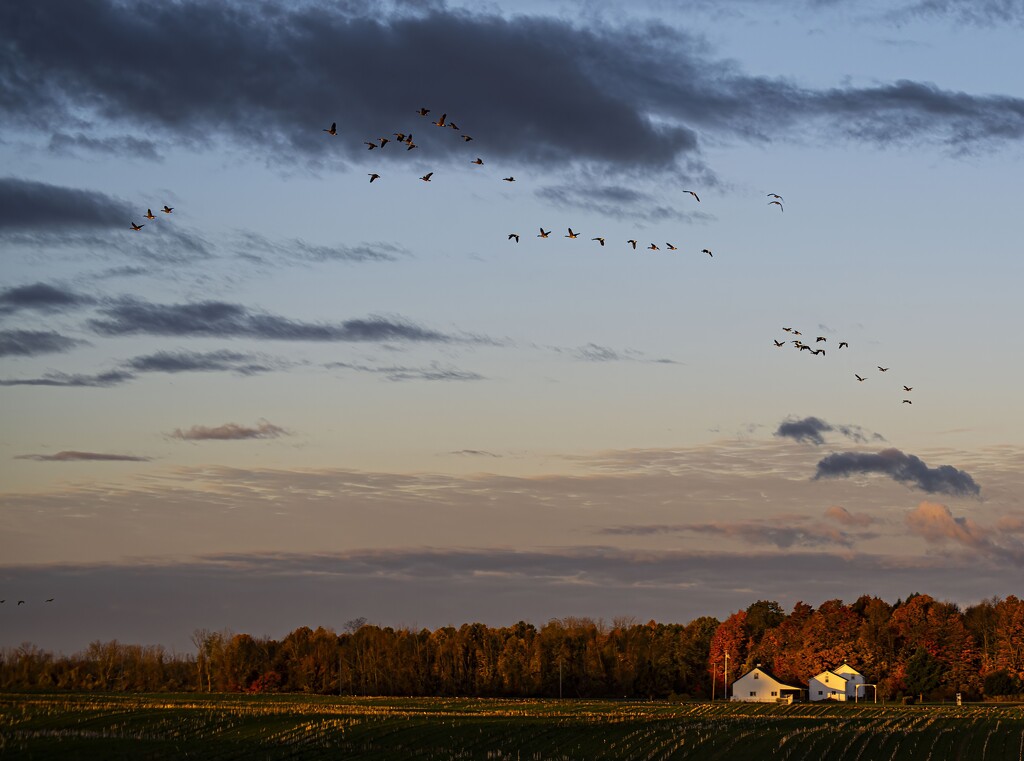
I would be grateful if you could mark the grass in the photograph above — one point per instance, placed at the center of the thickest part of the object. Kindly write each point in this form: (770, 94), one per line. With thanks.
(104, 726)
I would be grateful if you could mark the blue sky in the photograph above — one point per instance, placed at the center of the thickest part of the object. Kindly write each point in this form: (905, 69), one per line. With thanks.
(315, 398)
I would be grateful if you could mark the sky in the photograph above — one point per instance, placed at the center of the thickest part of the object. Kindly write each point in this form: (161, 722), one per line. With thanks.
(303, 397)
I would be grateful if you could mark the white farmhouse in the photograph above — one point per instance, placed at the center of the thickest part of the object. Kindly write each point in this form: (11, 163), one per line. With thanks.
(836, 684)
(758, 686)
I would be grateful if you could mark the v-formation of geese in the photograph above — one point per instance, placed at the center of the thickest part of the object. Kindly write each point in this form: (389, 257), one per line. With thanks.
(150, 215)
(801, 346)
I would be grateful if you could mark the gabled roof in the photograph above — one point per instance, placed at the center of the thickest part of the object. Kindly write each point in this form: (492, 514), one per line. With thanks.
(848, 668)
(772, 677)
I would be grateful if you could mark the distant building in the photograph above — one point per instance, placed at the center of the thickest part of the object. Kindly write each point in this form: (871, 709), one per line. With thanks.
(759, 686)
(835, 684)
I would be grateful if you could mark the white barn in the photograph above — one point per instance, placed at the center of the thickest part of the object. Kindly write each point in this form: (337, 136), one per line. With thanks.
(835, 684)
(758, 686)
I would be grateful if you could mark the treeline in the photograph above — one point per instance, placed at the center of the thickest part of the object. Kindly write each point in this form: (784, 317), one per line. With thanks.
(911, 647)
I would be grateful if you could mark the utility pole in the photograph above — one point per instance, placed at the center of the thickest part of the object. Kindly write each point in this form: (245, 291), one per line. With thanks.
(559, 677)
(726, 676)
(714, 678)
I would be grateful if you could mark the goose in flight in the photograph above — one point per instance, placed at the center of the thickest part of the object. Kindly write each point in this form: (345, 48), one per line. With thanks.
(908, 388)
(599, 240)
(478, 161)
(776, 203)
(843, 343)
(571, 234)
(671, 247)
(653, 247)
(907, 401)
(136, 227)
(708, 252)
(374, 176)
(369, 146)
(167, 209)
(693, 194)
(788, 330)
(427, 176)
(881, 369)
(776, 196)
(797, 333)
(423, 111)
(632, 243)
(859, 378)
(21, 602)
(333, 130)
(150, 214)
(513, 235)
(509, 179)
(383, 141)
(544, 234)
(779, 343)
(440, 122)
(409, 146)
(50, 600)
(467, 138)
(820, 338)
(453, 125)
(818, 351)
(399, 136)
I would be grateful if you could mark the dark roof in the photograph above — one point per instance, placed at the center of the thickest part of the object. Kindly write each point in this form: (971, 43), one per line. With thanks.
(769, 674)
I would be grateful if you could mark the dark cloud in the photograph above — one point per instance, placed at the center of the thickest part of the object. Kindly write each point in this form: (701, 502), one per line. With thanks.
(780, 532)
(266, 251)
(41, 297)
(230, 432)
(123, 146)
(475, 453)
(904, 468)
(541, 90)
(71, 380)
(810, 430)
(617, 202)
(29, 343)
(191, 361)
(224, 320)
(433, 372)
(26, 205)
(973, 12)
(72, 456)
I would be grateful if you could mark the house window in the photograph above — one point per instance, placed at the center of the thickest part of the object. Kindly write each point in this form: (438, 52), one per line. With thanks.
(753, 694)
(775, 694)
(756, 676)
(820, 692)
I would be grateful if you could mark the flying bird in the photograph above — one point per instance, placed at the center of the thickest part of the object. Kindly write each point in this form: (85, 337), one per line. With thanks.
(150, 214)
(843, 343)
(693, 194)
(544, 234)
(820, 338)
(776, 196)
(423, 111)
(788, 330)
(427, 176)
(374, 176)
(652, 247)
(21, 602)
(777, 203)
(633, 243)
(671, 247)
(907, 401)
(908, 388)
(410, 146)
(136, 227)
(797, 333)
(478, 161)
(599, 240)
(881, 369)
(50, 600)
(167, 209)
(571, 234)
(779, 343)
(333, 130)
(708, 252)
(513, 235)
(453, 125)
(509, 179)
(440, 122)
(467, 138)
(383, 141)
(818, 351)
(399, 136)
(859, 378)
(369, 146)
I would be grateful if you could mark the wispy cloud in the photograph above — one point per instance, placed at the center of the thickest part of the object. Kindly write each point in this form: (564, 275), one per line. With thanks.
(782, 531)
(936, 524)
(252, 245)
(210, 361)
(474, 453)
(41, 297)
(27, 205)
(120, 146)
(844, 517)
(73, 456)
(433, 372)
(810, 430)
(73, 380)
(29, 343)
(904, 468)
(229, 432)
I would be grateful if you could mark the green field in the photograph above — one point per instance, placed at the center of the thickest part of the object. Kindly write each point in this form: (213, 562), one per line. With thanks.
(89, 726)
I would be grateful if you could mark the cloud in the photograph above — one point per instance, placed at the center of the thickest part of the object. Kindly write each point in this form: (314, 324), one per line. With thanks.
(27, 205)
(29, 343)
(475, 453)
(982, 13)
(619, 201)
(255, 246)
(904, 468)
(810, 429)
(935, 523)
(191, 361)
(782, 532)
(72, 456)
(71, 380)
(843, 516)
(121, 146)
(230, 432)
(433, 372)
(41, 297)
(593, 352)
(603, 94)
(221, 319)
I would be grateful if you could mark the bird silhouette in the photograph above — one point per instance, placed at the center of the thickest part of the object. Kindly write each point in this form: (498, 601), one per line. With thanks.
(383, 141)
(333, 130)
(399, 136)
(907, 401)
(21, 602)
(671, 247)
(708, 252)
(776, 203)
(467, 138)
(513, 235)
(882, 369)
(599, 240)
(843, 343)
(374, 176)
(369, 146)
(693, 194)
(779, 343)
(478, 161)
(653, 247)
(859, 378)
(453, 125)
(150, 214)
(797, 333)
(509, 179)
(427, 176)
(908, 388)
(776, 196)
(544, 234)
(167, 209)
(818, 351)
(137, 227)
(788, 329)
(423, 111)
(632, 243)
(439, 122)
(820, 338)
(571, 234)
(50, 600)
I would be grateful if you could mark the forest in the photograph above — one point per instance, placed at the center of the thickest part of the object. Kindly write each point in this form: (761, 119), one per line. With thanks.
(914, 647)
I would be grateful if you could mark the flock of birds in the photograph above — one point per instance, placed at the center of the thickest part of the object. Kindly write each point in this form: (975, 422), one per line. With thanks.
(150, 215)
(820, 351)
(22, 602)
